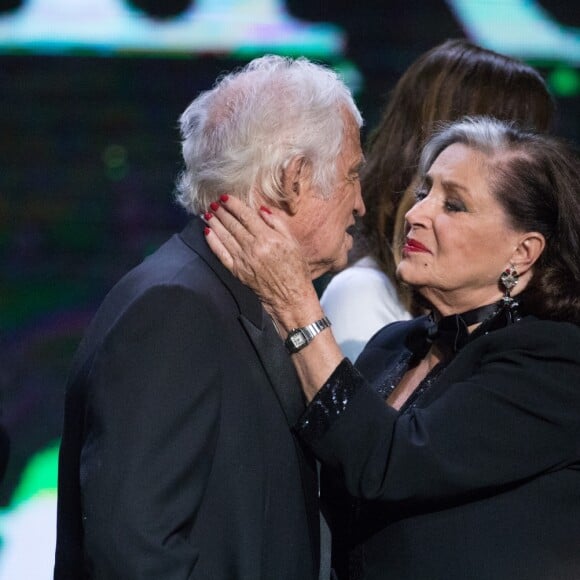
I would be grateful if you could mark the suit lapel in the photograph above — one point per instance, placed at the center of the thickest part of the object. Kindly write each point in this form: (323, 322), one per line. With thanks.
(258, 327)
(278, 367)
(286, 385)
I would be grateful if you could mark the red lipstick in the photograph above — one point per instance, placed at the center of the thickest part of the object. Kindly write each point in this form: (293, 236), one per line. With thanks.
(414, 246)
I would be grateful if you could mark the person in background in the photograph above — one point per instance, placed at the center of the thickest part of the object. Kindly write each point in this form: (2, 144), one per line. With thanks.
(453, 79)
(458, 432)
(177, 458)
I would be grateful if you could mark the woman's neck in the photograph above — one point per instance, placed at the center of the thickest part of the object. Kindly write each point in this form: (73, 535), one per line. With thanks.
(446, 304)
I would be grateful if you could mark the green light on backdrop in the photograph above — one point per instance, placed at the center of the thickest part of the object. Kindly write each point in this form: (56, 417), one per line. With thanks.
(115, 162)
(39, 477)
(565, 82)
(350, 75)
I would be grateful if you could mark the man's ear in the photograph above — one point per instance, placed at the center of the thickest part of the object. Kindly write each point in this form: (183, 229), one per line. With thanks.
(529, 249)
(295, 177)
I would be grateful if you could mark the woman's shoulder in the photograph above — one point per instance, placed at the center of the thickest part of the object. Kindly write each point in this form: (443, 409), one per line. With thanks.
(395, 337)
(532, 332)
(531, 343)
(389, 345)
(398, 332)
(529, 330)
(530, 336)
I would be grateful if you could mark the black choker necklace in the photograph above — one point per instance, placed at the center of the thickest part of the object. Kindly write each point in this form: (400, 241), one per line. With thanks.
(451, 331)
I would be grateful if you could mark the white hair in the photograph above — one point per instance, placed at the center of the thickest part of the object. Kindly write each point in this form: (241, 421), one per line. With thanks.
(238, 137)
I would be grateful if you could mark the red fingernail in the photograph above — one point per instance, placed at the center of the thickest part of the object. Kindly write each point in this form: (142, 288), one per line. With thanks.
(214, 205)
(207, 215)
(224, 197)
(206, 231)
(265, 209)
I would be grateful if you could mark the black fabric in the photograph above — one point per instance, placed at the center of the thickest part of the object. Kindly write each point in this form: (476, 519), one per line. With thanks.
(4, 451)
(330, 402)
(452, 331)
(177, 459)
(479, 479)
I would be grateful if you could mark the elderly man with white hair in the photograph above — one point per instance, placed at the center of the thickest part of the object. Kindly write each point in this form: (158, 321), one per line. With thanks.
(178, 460)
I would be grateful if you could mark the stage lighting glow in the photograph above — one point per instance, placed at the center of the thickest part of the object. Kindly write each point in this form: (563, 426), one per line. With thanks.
(30, 521)
(520, 28)
(114, 26)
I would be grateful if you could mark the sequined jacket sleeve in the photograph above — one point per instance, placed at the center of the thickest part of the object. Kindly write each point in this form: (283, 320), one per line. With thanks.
(504, 411)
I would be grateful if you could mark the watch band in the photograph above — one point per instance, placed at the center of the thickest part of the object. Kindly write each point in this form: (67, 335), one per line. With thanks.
(298, 338)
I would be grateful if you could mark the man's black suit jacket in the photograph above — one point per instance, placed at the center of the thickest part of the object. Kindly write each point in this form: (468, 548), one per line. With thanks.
(177, 458)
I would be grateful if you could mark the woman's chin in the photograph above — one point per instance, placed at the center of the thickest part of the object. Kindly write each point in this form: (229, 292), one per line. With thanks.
(405, 273)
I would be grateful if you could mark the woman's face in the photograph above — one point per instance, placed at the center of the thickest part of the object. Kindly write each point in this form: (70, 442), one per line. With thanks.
(459, 239)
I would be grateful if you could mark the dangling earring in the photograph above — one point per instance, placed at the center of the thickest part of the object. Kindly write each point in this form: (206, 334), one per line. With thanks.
(509, 279)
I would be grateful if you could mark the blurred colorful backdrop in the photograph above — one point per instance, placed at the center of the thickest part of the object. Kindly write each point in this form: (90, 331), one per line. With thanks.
(90, 93)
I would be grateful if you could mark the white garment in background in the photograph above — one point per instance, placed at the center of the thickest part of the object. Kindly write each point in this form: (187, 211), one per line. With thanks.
(359, 301)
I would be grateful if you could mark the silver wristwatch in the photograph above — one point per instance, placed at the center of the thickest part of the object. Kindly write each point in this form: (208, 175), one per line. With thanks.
(298, 338)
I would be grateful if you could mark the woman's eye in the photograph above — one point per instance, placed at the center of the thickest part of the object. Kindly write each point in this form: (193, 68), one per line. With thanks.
(420, 194)
(454, 205)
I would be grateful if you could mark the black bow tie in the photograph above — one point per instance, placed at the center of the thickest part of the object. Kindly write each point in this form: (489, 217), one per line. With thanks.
(451, 331)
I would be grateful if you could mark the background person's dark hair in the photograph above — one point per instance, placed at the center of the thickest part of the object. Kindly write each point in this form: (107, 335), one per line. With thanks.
(454, 79)
(536, 179)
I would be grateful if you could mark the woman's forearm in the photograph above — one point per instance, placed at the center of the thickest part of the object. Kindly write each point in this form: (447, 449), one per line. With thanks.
(318, 360)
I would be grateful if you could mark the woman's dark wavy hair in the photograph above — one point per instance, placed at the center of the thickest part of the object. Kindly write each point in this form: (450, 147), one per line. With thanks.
(536, 179)
(446, 83)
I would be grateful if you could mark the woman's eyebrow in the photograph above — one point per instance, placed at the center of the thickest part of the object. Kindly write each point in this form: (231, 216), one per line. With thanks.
(450, 185)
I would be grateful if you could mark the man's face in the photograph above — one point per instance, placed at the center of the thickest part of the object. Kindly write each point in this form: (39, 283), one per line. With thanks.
(320, 225)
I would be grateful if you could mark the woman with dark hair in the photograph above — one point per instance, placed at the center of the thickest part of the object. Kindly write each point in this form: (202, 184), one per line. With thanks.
(454, 79)
(458, 434)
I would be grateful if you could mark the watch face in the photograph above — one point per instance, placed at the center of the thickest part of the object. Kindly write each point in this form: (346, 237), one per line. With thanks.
(297, 339)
